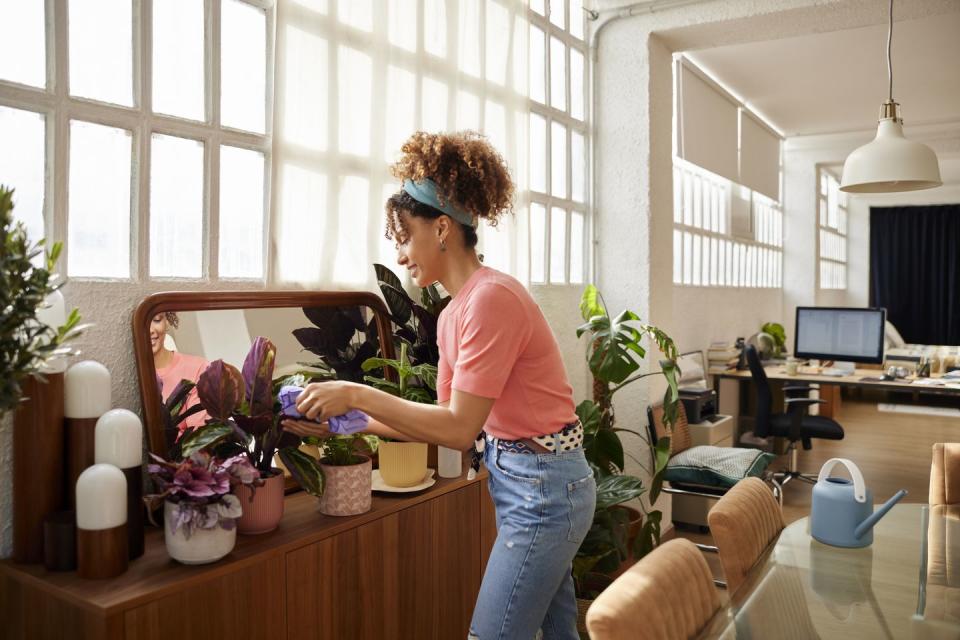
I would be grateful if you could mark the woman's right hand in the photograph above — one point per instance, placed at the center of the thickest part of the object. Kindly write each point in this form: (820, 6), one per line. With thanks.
(306, 428)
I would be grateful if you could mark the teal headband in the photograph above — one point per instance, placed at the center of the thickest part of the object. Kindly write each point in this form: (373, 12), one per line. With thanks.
(425, 192)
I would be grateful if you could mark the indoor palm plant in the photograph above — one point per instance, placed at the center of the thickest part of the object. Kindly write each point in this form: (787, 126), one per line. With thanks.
(615, 360)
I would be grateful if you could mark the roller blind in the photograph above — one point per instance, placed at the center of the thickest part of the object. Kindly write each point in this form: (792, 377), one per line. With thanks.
(759, 156)
(708, 121)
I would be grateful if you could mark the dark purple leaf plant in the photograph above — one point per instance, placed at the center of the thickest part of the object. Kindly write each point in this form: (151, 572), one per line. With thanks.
(200, 487)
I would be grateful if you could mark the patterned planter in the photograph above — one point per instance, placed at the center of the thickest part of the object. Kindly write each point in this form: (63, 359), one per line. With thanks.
(403, 464)
(262, 512)
(347, 490)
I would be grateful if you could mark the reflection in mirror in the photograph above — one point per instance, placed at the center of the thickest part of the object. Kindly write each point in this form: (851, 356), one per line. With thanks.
(179, 335)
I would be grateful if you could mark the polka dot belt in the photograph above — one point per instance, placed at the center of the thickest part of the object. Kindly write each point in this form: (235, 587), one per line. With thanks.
(567, 439)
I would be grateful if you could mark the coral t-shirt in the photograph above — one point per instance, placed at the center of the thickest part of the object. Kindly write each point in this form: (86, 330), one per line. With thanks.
(495, 343)
(184, 367)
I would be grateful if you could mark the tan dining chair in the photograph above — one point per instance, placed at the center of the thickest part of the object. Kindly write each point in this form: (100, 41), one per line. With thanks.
(668, 595)
(744, 522)
(945, 473)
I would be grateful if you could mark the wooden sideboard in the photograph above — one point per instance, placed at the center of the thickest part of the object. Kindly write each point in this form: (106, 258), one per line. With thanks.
(409, 568)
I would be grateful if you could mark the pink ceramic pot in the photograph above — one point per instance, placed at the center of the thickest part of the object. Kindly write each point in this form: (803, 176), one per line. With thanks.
(347, 490)
(263, 514)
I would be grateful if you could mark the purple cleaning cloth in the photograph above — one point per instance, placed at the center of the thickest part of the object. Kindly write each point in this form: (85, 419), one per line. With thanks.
(350, 422)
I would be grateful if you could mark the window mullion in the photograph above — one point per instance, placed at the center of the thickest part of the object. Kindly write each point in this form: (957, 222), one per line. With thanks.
(58, 144)
(143, 101)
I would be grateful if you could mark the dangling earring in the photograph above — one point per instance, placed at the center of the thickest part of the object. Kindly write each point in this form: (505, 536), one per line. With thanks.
(443, 244)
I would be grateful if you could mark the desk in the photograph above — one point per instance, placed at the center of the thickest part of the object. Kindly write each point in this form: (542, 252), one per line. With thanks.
(903, 586)
(735, 391)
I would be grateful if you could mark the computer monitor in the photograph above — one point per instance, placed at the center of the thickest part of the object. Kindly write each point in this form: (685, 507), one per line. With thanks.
(845, 334)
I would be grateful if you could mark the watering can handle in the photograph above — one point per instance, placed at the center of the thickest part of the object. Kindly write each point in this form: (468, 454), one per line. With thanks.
(859, 488)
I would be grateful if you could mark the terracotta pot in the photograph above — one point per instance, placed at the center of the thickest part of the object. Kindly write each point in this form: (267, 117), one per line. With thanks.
(263, 508)
(403, 464)
(347, 490)
(634, 522)
(202, 547)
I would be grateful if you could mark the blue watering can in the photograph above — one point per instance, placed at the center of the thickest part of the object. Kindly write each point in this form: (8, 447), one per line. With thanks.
(842, 514)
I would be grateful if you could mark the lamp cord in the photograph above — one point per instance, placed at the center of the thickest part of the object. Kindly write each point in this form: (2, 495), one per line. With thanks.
(889, 62)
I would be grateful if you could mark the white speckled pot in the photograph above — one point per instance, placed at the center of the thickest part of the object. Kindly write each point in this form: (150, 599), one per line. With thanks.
(347, 490)
(203, 546)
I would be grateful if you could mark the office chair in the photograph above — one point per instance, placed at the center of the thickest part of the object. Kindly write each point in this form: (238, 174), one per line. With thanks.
(794, 425)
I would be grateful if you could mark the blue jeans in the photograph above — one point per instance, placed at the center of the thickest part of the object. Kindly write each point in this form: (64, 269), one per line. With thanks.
(544, 505)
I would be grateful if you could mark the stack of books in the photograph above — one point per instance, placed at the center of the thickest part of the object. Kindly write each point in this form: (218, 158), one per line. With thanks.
(723, 354)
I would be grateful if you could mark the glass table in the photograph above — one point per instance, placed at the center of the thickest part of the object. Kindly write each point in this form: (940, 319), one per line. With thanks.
(906, 585)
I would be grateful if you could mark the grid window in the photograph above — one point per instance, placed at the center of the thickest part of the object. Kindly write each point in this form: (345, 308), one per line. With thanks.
(704, 252)
(140, 172)
(178, 83)
(243, 66)
(99, 216)
(832, 228)
(101, 52)
(176, 207)
(21, 165)
(241, 213)
(22, 48)
(559, 141)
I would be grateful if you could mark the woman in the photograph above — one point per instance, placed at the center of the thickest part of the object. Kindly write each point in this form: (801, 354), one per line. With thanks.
(172, 367)
(500, 371)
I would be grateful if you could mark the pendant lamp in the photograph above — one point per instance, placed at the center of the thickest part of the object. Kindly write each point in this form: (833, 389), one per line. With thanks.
(891, 162)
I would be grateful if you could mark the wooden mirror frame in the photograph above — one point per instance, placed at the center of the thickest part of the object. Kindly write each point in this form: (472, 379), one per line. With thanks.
(218, 300)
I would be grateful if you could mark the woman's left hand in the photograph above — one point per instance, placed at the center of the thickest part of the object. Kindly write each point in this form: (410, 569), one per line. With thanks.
(325, 399)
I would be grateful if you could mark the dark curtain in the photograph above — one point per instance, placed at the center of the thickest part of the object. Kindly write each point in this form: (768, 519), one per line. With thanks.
(915, 270)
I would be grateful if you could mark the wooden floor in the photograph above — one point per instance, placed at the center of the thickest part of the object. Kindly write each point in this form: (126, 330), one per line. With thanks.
(892, 450)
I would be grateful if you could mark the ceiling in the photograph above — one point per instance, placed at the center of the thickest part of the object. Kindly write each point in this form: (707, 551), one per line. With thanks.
(836, 81)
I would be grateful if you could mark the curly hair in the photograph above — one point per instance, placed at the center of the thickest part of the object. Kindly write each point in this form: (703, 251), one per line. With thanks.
(468, 171)
(172, 318)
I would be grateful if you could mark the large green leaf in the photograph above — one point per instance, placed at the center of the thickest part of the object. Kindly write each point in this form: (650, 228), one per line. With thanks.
(590, 303)
(649, 536)
(607, 449)
(617, 489)
(203, 437)
(305, 470)
(661, 456)
(616, 346)
(589, 414)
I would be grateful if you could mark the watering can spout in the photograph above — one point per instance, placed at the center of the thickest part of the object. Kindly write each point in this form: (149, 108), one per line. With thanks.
(874, 517)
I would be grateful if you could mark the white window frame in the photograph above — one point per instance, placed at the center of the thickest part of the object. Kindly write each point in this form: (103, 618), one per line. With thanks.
(58, 108)
(551, 114)
(826, 175)
(761, 266)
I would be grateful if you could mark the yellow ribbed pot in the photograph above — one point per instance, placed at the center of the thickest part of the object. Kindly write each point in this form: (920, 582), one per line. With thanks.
(403, 464)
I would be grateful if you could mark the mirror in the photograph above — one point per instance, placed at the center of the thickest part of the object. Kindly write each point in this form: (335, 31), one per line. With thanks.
(177, 334)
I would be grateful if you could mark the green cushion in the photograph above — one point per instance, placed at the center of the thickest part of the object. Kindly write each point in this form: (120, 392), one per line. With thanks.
(716, 466)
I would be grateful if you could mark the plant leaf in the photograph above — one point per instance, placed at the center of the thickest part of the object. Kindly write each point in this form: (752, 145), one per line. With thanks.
(305, 469)
(617, 489)
(258, 376)
(220, 389)
(590, 303)
(203, 437)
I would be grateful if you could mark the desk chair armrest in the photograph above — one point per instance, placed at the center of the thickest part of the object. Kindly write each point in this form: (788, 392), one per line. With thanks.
(797, 387)
(801, 402)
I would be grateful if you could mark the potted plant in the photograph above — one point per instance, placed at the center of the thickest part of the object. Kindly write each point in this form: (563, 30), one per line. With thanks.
(403, 464)
(245, 420)
(199, 510)
(28, 349)
(614, 358)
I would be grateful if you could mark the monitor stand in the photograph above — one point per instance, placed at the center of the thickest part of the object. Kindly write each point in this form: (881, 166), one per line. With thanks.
(840, 368)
